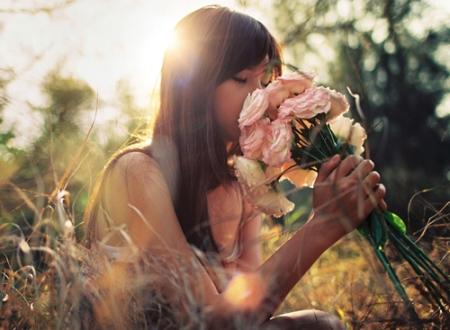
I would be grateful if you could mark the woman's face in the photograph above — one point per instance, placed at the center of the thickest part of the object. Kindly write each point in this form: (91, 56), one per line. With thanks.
(230, 95)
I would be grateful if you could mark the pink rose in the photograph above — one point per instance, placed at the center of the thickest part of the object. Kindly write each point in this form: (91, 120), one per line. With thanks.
(307, 104)
(277, 150)
(253, 138)
(339, 105)
(276, 94)
(255, 105)
(297, 82)
(284, 87)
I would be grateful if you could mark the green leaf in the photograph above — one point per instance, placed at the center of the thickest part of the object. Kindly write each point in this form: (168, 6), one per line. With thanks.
(395, 221)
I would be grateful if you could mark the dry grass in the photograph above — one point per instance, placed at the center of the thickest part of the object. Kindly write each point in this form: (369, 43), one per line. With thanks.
(348, 281)
(49, 279)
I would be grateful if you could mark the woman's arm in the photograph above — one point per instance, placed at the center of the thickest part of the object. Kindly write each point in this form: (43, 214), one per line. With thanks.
(344, 195)
(293, 259)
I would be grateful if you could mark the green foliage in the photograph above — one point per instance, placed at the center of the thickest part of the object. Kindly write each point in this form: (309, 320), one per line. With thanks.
(386, 53)
(67, 97)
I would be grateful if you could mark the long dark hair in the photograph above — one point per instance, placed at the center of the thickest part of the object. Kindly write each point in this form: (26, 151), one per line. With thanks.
(213, 44)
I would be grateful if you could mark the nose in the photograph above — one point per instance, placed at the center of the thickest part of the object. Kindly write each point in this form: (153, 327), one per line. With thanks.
(257, 84)
(260, 85)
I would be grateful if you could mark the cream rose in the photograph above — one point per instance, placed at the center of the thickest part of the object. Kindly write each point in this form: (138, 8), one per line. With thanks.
(257, 188)
(273, 203)
(250, 174)
(347, 131)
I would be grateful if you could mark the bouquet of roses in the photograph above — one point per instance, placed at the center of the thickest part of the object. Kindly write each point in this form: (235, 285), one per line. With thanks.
(307, 130)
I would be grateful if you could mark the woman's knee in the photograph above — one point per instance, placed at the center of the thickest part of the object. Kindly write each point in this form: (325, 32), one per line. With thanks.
(305, 319)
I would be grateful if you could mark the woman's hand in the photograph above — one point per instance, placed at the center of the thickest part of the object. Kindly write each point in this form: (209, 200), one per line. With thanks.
(347, 191)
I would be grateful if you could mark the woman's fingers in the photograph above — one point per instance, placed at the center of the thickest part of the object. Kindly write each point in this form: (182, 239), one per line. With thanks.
(327, 168)
(362, 170)
(348, 165)
(374, 198)
(365, 191)
(370, 181)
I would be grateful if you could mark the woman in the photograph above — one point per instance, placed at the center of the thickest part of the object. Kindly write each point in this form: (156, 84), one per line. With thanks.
(178, 196)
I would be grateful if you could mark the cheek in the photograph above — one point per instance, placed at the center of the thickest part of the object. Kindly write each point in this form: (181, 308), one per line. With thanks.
(227, 107)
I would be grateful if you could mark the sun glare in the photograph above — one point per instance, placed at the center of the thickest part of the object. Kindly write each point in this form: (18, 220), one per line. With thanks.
(150, 53)
(245, 290)
(171, 40)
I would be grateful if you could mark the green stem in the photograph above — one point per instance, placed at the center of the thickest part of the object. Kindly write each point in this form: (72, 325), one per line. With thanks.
(424, 257)
(426, 264)
(424, 277)
(395, 280)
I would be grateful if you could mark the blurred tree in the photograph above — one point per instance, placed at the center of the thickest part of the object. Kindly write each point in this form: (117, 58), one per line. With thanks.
(42, 165)
(67, 116)
(8, 153)
(11, 158)
(387, 52)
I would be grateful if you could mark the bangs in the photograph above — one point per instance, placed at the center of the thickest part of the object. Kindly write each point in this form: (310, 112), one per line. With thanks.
(247, 43)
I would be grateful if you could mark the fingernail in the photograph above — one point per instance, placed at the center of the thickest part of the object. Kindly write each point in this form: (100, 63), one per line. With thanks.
(335, 157)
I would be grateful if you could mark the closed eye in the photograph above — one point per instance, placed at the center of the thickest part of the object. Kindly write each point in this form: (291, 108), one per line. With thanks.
(240, 80)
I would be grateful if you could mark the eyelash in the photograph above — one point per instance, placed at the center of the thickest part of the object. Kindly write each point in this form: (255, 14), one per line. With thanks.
(243, 81)
(239, 80)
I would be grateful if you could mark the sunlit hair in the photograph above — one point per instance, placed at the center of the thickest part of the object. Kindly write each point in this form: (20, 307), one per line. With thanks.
(213, 44)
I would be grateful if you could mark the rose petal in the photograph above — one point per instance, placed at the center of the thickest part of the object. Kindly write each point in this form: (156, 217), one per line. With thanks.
(250, 174)
(255, 105)
(273, 203)
(253, 137)
(301, 177)
(339, 105)
(278, 149)
(306, 105)
(347, 131)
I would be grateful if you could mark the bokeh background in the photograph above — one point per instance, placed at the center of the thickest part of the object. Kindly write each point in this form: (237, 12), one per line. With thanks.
(79, 73)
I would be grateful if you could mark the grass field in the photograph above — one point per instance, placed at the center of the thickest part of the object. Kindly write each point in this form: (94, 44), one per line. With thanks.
(47, 278)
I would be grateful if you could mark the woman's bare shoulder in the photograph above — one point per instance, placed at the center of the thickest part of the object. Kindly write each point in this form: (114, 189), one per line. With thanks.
(135, 162)
(139, 198)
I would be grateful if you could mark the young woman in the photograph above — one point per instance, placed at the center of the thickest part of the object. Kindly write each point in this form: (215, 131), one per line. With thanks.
(178, 195)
